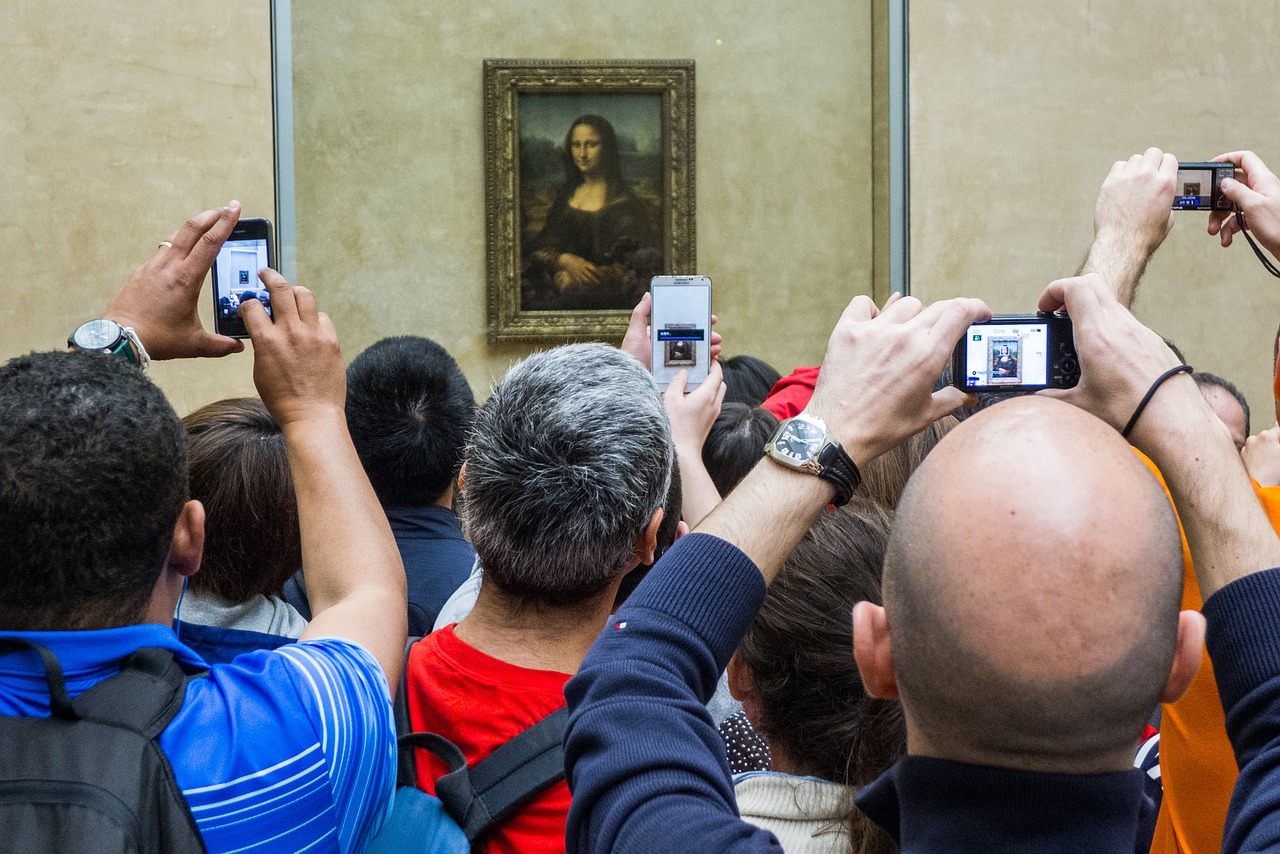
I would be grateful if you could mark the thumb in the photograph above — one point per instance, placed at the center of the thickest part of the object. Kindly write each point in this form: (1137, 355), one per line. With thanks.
(948, 400)
(1241, 193)
(675, 388)
(213, 346)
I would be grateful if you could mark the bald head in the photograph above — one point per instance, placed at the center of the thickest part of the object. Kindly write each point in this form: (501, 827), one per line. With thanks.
(1032, 586)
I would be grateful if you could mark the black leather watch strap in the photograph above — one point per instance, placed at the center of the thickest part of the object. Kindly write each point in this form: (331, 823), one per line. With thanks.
(839, 469)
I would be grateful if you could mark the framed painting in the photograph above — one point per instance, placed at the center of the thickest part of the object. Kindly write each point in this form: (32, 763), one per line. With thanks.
(589, 192)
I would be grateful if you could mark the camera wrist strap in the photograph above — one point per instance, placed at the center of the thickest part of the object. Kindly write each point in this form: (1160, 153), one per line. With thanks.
(1151, 392)
(1266, 262)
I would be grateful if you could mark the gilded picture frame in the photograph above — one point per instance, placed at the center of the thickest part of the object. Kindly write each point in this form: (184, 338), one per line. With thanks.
(589, 191)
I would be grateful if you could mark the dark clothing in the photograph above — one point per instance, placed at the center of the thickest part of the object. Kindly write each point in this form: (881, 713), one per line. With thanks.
(937, 805)
(655, 666)
(437, 559)
(624, 233)
(1244, 643)
(218, 645)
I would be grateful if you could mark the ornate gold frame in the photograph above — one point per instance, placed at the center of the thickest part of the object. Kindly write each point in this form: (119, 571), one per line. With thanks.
(504, 81)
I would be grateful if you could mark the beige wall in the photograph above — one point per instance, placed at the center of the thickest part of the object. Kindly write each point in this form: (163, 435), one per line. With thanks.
(117, 122)
(1018, 109)
(390, 192)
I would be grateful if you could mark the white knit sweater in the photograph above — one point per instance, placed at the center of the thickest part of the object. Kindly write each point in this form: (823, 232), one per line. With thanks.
(803, 812)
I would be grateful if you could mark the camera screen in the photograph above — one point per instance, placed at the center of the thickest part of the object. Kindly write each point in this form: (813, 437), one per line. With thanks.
(681, 319)
(1194, 190)
(1011, 355)
(236, 275)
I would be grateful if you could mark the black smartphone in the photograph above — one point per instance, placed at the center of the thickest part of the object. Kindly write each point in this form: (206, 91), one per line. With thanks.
(1016, 352)
(680, 324)
(1199, 187)
(235, 274)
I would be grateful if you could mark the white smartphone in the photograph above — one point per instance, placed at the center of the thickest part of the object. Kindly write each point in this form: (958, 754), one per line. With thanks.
(680, 328)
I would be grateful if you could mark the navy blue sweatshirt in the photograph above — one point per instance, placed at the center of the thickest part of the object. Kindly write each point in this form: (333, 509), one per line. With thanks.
(647, 768)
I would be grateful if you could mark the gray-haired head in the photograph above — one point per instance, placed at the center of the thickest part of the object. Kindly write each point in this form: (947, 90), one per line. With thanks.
(569, 459)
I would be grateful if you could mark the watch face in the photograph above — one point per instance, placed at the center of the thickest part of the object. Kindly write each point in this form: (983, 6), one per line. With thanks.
(799, 440)
(97, 334)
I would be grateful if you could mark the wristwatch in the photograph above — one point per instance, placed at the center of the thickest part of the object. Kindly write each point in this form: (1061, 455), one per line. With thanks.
(803, 443)
(107, 336)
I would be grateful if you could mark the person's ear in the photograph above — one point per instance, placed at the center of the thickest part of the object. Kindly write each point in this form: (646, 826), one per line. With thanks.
(1186, 656)
(682, 528)
(742, 687)
(188, 540)
(873, 650)
(462, 477)
(647, 542)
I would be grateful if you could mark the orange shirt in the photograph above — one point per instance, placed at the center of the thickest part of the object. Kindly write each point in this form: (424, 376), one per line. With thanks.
(1197, 765)
(479, 702)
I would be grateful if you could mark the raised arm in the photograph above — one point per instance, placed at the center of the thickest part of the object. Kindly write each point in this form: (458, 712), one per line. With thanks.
(657, 662)
(1133, 215)
(355, 580)
(160, 300)
(1120, 360)
(873, 391)
(691, 418)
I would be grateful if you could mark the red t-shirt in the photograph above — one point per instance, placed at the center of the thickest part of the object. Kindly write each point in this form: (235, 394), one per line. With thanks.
(479, 702)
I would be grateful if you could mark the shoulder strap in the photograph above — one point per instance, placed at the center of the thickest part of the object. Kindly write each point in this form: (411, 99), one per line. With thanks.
(143, 697)
(59, 703)
(407, 765)
(480, 797)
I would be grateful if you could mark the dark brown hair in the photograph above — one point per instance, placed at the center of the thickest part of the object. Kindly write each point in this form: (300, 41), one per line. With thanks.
(240, 471)
(800, 654)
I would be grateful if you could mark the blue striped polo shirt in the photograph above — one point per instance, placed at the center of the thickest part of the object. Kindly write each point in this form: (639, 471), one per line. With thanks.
(285, 750)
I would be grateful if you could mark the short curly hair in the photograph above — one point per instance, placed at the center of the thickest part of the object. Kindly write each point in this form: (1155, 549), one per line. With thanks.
(93, 476)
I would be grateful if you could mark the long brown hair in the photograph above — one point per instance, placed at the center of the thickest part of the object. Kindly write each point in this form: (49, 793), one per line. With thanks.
(800, 654)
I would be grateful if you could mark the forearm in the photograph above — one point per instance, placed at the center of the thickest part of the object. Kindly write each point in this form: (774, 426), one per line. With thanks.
(652, 671)
(698, 493)
(1227, 530)
(1120, 258)
(349, 555)
(768, 513)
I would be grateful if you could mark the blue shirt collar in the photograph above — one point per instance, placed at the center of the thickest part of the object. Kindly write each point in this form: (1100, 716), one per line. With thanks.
(89, 656)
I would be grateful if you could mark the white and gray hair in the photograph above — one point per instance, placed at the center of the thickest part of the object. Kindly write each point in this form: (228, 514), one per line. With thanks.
(569, 459)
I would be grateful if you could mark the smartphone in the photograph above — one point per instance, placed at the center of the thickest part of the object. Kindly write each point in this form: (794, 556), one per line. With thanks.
(1016, 352)
(235, 274)
(680, 324)
(1199, 187)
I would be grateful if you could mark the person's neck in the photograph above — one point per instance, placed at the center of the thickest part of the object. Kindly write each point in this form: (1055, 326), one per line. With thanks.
(537, 637)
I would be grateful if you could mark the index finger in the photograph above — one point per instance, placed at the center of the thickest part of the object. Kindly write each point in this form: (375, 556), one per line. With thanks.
(284, 306)
(199, 247)
(1248, 161)
(949, 319)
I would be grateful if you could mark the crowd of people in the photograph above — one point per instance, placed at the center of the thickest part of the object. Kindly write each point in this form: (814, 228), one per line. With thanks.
(633, 622)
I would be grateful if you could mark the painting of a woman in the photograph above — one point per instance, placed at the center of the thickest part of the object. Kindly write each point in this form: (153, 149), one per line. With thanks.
(601, 242)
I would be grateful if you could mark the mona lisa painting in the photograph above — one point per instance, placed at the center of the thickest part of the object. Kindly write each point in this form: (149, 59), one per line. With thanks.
(589, 190)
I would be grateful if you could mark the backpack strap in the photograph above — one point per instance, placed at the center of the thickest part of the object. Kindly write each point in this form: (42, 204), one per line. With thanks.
(407, 763)
(59, 703)
(144, 696)
(480, 797)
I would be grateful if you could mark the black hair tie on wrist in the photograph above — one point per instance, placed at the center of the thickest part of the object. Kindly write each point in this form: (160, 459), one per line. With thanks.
(1151, 392)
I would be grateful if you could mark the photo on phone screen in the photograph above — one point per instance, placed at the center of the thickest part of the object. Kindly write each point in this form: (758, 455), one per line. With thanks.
(1015, 353)
(235, 275)
(680, 324)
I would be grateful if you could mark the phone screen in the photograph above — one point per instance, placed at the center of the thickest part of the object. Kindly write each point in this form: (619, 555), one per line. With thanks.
(235, 276)
(1013, 355)
(680, 320)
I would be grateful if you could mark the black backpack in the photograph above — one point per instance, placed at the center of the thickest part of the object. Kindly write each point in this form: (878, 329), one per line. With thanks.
(90, 777)
(481, 796)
